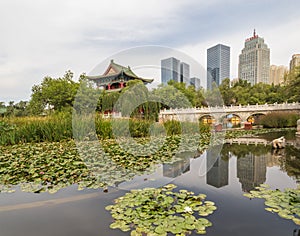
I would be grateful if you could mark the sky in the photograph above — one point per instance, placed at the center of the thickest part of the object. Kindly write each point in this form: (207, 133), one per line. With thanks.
(48, 37)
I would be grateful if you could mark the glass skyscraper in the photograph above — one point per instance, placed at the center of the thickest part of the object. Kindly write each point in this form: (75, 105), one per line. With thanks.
(173, 69)
(218, 64)
(184, 73)
(170, 70)
(254, 61)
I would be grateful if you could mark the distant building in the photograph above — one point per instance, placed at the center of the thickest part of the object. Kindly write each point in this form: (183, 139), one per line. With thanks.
(194, 81)
(234, 81)
(218, 64)
(170, 70)
(295, 61)
(116, 77)
(173, 69)
(184, 73)
(277, 74)
(254, 61)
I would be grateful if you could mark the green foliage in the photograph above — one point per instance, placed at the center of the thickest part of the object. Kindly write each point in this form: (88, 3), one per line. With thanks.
(57, 94)
(279, 120)
(161, 211)
(173, 127)
(43, 167)
(87, 97)
(293, 85)
(285, 203)
(16, 109)
(49, 166)
(171, 97)
(38, 129)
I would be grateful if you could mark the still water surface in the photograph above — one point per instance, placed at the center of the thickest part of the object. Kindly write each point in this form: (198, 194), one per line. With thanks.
(223, 177)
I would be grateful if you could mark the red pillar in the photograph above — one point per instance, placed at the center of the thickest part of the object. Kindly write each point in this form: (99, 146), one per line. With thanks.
(108, 87)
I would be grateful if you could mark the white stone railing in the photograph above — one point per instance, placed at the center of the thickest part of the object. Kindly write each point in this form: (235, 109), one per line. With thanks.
(240, 108)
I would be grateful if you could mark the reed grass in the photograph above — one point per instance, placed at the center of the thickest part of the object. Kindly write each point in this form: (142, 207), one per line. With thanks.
(57, 127)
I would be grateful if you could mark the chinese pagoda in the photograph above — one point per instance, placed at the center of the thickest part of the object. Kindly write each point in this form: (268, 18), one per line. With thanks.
(115, 77)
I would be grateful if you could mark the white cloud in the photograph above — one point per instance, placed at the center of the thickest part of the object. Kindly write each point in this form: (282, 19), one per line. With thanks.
(48, 37)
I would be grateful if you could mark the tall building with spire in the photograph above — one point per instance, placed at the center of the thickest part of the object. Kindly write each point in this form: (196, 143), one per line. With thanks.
(218, 64)
(254, 61)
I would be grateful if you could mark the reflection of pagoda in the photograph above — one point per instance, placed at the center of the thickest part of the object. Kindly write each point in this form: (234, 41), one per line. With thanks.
(176, 168)
(251, 171)
(217, 175)
(115, 77)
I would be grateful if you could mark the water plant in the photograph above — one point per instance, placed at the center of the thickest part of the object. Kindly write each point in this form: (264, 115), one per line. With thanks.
(284, 203)
(159, 211)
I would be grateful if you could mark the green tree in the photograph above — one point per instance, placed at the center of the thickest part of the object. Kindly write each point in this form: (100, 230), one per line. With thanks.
(226, 92)
(87, 96)
(171, 97)
(54, 94)
(293, 85)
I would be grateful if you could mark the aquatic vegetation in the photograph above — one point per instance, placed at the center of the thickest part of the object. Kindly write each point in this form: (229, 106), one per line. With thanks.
(285, 203)
(161, 211)
(50, 166)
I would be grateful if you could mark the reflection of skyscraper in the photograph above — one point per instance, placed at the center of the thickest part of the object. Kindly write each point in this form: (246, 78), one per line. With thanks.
(176, 168)
(217, 175)
(251, 171)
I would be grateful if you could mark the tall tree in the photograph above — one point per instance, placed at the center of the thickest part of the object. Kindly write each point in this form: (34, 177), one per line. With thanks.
(56, 94)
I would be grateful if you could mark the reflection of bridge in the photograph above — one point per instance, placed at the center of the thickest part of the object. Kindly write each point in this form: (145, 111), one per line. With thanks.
(256, 141)
(243, 112)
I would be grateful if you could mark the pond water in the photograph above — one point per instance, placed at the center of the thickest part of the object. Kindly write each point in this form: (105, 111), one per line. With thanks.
(223, 177)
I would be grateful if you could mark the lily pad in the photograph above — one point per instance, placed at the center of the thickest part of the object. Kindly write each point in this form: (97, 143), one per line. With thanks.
(160, 211)
(285, 203)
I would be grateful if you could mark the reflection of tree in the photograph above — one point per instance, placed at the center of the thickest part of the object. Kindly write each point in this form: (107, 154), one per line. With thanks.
(172, 170)
(289, 134)
(290, 162)
(242, 150)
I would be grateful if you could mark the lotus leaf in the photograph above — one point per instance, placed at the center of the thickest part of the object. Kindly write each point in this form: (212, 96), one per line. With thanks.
(285, 203)
(160, 211)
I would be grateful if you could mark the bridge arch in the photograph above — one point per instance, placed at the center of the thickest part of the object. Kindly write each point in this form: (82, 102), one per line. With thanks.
(231, 120)
(255, 117)
(207, 119)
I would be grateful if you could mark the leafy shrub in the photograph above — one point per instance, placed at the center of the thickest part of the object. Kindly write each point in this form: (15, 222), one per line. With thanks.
(279, 120)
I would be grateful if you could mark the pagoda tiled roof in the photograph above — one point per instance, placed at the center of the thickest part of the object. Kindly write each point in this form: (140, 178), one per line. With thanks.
(118, 70)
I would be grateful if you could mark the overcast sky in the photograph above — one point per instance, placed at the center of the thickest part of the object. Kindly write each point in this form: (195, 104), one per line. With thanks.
(48, 37)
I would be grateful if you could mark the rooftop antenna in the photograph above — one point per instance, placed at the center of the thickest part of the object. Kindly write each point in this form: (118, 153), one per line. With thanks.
(254, 33)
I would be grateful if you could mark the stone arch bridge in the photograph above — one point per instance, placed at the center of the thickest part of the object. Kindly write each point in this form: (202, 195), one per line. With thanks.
(220, 112)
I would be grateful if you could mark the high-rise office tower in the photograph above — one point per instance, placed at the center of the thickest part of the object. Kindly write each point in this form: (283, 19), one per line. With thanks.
(254, 61)
(184, 73)
(277, 74)
(295, 61)
(173, 69)
(170, 70)
(195, 82)
(218, 64)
